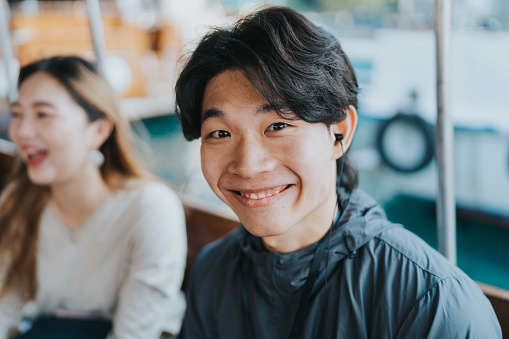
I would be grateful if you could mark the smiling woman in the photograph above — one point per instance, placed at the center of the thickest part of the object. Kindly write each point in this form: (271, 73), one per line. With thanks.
(53, 132)
(86, 234)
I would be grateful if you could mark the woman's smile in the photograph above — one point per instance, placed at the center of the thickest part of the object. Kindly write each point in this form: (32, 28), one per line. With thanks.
(34, 156)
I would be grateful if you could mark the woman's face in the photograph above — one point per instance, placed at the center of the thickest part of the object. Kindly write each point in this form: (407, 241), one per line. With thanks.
(51, 131)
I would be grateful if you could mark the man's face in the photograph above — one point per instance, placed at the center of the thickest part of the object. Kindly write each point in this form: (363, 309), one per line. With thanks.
(277, 174)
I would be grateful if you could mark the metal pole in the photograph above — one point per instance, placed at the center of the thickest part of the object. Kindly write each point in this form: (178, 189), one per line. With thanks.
(5, 41)
(446, 206)
(96, 25)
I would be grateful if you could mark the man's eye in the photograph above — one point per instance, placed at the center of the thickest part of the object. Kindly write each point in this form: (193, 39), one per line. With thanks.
(42, 115)
(277, 126)
(219, 134)
(15, 114)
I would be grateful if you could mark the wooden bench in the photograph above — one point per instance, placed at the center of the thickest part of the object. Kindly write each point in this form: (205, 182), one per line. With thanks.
(499, 298)
(203, 226)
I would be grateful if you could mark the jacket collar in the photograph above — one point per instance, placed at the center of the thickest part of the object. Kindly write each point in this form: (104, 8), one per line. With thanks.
(361, 220)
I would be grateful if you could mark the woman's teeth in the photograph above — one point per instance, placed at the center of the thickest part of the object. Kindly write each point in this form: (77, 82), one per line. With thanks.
(35, 152)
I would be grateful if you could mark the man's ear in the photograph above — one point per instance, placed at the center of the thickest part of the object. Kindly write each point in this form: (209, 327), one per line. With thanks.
(101, 130)
(347, 129)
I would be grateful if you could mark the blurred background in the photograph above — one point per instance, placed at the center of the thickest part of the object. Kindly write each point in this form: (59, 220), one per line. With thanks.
(391, 45)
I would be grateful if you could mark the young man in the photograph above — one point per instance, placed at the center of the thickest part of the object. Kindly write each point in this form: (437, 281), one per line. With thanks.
(274, 100)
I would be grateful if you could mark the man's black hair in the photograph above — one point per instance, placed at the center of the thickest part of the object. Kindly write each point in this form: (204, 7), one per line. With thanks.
(295, 65)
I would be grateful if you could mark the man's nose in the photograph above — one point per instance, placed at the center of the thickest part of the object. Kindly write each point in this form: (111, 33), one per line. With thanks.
(251, 157)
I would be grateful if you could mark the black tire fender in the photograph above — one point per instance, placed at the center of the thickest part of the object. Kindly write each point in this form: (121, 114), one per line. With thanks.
(417, 124)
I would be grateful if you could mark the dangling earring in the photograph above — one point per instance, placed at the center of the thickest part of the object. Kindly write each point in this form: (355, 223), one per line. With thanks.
(97, 158)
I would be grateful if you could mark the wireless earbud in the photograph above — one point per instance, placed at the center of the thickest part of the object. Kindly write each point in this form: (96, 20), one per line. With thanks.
(339, 137)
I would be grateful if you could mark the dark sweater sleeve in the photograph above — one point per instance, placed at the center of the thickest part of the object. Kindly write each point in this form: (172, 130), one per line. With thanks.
(454, 307)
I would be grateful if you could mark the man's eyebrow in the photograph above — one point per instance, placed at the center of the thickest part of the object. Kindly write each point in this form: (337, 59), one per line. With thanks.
(214, 112)
(211, 113)
(279, 107)
(263, 109)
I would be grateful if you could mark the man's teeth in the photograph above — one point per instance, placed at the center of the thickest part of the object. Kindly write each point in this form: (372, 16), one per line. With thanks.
(259, 196)
(264, 194)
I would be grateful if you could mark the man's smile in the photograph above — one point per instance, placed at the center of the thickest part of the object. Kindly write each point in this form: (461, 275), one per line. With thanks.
(263, 193)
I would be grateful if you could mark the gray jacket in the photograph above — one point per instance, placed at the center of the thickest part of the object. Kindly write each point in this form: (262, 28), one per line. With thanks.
(378, 280)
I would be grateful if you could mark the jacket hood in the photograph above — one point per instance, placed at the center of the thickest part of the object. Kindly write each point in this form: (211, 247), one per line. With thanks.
(361, 220)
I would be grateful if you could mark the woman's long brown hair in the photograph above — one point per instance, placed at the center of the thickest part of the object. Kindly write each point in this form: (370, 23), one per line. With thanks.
(22, 202)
